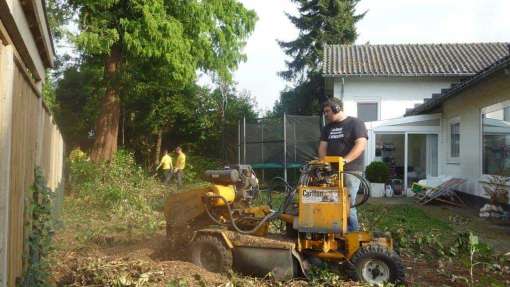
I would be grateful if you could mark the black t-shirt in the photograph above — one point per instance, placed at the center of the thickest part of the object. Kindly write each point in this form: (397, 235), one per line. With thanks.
(341, 137)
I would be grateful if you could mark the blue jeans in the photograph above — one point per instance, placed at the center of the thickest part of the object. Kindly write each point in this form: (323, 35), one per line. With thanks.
(352, 183)
(178, 174)
(167, 174)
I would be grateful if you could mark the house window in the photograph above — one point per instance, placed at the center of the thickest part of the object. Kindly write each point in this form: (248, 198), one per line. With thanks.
(496, 139)
(454, 139)
(368, 112)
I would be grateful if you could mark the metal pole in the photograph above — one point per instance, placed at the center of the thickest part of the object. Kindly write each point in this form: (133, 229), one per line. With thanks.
(262, 147)
(294, 126)
(123, 127)
(244, 140)
(342, 90)
(223, 141)
(239, 142)
(262, 141)
(406, 158)
(285, 146)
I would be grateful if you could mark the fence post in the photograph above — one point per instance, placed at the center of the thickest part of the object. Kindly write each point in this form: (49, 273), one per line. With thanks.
(40, 134)
(285, 146)
(6, 93)
(295, 143)
(244, 140)
(239, 142)
(263, 159)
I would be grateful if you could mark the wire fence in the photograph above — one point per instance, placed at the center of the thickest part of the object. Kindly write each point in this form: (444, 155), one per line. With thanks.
(275, 146)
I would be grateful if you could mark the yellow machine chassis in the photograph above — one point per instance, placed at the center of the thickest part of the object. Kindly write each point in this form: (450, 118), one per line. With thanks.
(315, 220)
(318, 218)
(321, 226)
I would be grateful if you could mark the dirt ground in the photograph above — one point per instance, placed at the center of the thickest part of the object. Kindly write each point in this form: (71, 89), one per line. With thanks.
(150, 253)
(149, 261)
(168, 267)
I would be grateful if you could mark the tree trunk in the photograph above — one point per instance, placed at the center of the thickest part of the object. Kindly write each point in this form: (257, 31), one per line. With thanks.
(157, 151)
(107, 124)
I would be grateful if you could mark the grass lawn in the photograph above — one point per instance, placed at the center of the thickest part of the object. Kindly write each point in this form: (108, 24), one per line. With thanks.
(434, 242)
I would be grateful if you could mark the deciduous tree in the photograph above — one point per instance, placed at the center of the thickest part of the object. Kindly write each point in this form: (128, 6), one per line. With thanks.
(183, 36)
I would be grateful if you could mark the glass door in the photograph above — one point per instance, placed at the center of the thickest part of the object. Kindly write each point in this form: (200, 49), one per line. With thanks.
(421, 157)
(410, 157)
(390, 149)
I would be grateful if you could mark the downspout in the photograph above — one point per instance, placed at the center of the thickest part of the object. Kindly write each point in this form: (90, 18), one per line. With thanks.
(342, 90)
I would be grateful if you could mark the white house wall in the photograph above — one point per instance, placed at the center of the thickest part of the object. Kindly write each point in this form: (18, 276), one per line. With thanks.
(467, 107)
(394, 94)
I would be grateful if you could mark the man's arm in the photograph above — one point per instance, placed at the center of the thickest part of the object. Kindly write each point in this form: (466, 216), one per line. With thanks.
(357, 149)
(323, 147)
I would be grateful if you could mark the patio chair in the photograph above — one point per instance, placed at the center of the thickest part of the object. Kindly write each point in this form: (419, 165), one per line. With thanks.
(419, 190)
(445, 192)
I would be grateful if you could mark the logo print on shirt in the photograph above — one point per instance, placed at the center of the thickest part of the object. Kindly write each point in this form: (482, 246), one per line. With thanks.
(336, 133)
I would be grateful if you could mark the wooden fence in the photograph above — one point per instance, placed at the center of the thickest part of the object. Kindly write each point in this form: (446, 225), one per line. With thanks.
(28, 138)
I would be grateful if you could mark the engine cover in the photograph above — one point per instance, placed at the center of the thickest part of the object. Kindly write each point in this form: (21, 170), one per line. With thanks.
(322, 210)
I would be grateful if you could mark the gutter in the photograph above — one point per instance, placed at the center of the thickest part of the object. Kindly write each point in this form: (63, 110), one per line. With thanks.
(399, 75)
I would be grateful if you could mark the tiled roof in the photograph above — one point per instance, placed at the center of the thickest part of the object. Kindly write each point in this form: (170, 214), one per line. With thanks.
(430, 104)
(411, 59)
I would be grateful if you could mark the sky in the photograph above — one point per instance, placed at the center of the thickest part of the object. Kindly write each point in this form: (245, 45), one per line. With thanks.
(386, 22)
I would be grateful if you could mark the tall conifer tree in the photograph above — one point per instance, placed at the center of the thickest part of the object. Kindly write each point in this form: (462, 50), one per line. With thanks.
(319, 22)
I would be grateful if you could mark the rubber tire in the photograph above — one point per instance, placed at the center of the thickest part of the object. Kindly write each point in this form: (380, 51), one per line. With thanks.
(207, 243)
(391, 258)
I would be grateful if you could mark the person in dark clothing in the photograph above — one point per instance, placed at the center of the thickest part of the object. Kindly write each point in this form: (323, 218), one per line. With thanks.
(347, 137)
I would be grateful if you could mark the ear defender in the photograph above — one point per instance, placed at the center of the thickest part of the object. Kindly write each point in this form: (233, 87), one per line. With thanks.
(335, 108)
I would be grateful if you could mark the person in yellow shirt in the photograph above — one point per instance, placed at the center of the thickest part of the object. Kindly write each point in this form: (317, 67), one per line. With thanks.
(180, 164)
(77, 155)
(166, 166)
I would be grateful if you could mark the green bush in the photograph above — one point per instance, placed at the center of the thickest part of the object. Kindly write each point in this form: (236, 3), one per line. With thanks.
(129, 196)
(378, 172)
(40, 233)
(196, 166)
(108, 183)
(119, 186)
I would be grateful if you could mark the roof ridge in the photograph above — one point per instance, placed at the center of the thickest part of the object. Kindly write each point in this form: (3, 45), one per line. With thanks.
(423, 44)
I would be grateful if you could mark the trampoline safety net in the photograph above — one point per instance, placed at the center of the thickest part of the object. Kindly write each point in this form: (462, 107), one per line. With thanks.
(285, 142)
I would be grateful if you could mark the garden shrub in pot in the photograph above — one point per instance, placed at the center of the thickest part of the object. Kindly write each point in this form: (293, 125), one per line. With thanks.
(378, 173)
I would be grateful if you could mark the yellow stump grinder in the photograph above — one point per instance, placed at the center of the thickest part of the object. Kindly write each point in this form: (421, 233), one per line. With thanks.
(225, 230)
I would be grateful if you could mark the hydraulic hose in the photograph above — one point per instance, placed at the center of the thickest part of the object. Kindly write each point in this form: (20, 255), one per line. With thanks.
(365, 186)
(268, 217)
(271, 216)
(288, 200)
(287, 185)
(289, 190)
